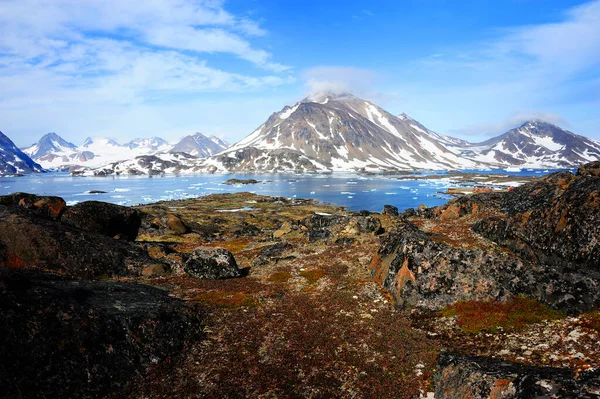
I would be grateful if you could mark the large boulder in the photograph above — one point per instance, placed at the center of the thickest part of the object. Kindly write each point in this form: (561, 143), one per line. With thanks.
(390, 210)
(49, 206)
(83, 339)
(212, 263)
(473, 377)
(545, 243)
(590, 169)
(554, 221)
(104, 218)
(28, 240)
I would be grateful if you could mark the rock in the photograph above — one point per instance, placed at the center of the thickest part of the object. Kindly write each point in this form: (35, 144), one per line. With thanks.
(369, 224)
(473, 377)
(554, 221)
(345, 241)
(176, 225)
(275, 249)
(319, 227)
(96, 192)
(246, 230)
(52, 207)
(390, 210)
(544, 245)
(29, 240)
(285, 228)
(589, 169)
(104, 218)
(241, 181)
(83, 339)
(212, 263)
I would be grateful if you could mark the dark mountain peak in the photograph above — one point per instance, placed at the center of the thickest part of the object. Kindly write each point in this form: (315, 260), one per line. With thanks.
(13, 160)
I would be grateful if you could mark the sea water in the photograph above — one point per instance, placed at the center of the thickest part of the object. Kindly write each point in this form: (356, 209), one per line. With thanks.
(353, 191)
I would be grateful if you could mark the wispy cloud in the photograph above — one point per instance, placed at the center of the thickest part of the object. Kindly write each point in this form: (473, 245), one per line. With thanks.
(105, 45)
(549, 67)
(340, 80)
(96, 54)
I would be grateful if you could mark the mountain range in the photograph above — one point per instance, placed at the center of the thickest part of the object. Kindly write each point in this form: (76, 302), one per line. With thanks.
(324, 133)
(53, 152)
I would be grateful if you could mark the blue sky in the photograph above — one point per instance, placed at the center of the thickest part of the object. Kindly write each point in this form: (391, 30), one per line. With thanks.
(169, 68)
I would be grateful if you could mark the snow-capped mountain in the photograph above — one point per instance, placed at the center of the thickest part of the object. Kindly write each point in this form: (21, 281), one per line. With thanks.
(49, 145)
(534, 144)
(200, 146)
(153, 143)
(13, 160)
(341, 132)
(53, 152)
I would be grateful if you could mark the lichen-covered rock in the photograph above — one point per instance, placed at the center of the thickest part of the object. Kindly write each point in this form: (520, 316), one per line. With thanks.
(460, 377)
(176, 225)
(589, 169)
(554, 221)
(212, 263)
(52, 207)
(390, 210)
(320, 227)
(104, 218)
(83, 339)
(28, 240)
(547, 236)
(420, 272)
(369, 224)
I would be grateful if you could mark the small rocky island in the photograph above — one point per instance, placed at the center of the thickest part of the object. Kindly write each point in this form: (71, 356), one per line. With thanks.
(493, 295)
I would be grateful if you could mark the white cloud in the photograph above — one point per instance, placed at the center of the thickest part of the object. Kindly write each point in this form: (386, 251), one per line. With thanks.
(341, 80)
(98, 55)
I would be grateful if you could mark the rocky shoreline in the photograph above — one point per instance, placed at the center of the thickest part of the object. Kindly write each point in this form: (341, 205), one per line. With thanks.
(238, 295)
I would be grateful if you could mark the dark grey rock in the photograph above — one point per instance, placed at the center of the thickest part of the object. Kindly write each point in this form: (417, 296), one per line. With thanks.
(212, 263)
(83, 339)
(390, 210)
(474, 377)
(104, 218)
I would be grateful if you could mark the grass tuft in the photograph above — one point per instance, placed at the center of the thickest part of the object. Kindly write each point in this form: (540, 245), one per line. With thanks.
(313, 275)
(226, 299)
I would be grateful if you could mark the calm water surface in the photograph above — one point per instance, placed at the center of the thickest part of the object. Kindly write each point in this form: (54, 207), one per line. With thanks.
(352, 191)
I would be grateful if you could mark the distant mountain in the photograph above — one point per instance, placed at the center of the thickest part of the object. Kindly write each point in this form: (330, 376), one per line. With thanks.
(333, 132)
(13, 160)
(199, 145)
(152, 143)
(53, 152)
(534, 144)
(50, 143)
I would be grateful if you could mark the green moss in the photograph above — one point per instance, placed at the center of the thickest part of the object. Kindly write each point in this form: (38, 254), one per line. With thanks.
(489, 316)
